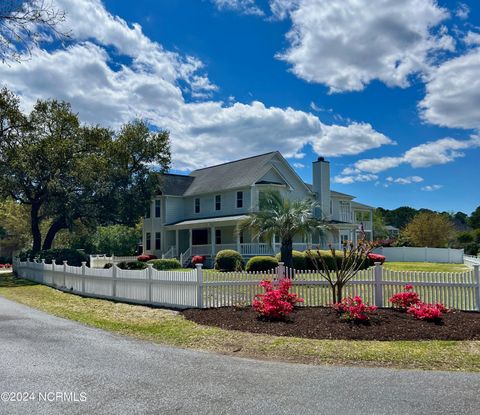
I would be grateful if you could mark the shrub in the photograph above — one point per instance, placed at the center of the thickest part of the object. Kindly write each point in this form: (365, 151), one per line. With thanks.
(276, 303)
(299, 260)
(164, 264)
(198, 259)
(146, 257)
(108, 265)
(405, 299)
(311, 256)
(72, 256)
(26, 254)
(133, 265)
(229, 260)
(261, 263)
(428, 312)
(354, 309)
(5, 266)
(372, 258)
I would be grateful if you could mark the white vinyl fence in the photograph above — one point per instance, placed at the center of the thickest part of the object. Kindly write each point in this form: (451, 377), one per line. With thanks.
(412, 254)
(200, 288)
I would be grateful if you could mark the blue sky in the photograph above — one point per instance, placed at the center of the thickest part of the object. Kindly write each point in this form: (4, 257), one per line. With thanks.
(388, 91)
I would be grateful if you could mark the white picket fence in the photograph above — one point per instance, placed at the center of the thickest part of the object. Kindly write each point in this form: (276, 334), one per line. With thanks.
(200, 288)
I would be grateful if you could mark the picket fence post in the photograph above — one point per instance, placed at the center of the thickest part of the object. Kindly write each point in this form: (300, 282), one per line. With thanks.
(84, 271)
(114, 280)
(64, 274)
(281, 270)
(199, 285)
(476, 275)
(378, 284)
(149, 282)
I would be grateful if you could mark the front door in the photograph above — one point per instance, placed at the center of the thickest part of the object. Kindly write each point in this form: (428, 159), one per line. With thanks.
(344, 236)
(200, 237)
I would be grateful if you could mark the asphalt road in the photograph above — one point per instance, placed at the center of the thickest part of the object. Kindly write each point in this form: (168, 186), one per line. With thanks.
(41, 355)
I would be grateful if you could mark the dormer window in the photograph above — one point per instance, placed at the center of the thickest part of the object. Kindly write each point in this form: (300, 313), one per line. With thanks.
(239, 199)
(197, 205)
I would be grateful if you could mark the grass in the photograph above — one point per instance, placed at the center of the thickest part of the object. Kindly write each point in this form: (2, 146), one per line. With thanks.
(168, 327)
(425, 267)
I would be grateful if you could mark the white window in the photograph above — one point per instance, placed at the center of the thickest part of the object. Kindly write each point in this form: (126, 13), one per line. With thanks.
(239, 199)
(158, 209)
(197, 205)
(218, 202)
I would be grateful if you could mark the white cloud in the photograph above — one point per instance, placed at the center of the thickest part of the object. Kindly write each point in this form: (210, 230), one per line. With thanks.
(432, 188)
(405, 180)
(355, 178)
(299, 165)
(345, 45)
(453, 93)
(349, 140)
(462, 11)
(242, 6)
(441, 151)
(150, 84)
(472, 38)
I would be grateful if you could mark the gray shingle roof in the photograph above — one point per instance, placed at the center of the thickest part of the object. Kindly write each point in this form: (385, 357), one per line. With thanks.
(175, 184)
(235, 174)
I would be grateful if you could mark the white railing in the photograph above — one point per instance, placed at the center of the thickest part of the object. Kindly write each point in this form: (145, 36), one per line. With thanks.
(99, 261)
(170, 253)
(185, 257)
(202, 289)
(256, 249)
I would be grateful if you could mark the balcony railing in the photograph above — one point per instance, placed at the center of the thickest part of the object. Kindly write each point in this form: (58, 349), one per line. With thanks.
(246, 249)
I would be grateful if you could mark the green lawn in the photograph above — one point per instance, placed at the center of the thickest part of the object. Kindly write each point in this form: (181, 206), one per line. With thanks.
(426, 267)
(168, 327)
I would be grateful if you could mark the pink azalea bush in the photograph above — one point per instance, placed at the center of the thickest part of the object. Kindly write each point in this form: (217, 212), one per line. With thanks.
(276, 302)
(428, 312)
(405, 299)
(198, 259)
(3, 266)
(354, 309)
(375, 258)
(146, 257)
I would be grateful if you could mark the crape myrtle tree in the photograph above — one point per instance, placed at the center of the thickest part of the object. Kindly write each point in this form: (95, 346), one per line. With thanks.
(66, 172)
(352, 259)
(285, 219)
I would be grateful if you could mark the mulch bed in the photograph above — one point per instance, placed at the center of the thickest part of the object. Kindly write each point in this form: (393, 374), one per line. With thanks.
(324, 323)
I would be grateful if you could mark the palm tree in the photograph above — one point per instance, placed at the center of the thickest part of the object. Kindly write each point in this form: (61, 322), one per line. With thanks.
(284, 218)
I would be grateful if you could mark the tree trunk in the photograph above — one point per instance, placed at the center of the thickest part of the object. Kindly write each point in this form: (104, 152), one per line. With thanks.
(56, 226)
(35, 227)
(286, 252)
(339, 293)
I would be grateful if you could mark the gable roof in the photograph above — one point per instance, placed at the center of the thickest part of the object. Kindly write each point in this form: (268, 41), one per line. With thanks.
(231, 175)
(175, 184)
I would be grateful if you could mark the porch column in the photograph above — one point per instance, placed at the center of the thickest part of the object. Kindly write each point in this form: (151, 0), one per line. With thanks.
(309, 240)
(273, 243)
(176, 243)
(212, 240)
(190, 238)
(238, 243)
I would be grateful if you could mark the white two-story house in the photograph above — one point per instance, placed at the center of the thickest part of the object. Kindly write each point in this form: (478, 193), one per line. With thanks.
(197, 214)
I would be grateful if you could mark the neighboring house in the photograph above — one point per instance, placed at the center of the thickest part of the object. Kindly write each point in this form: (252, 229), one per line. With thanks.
(198, 214)
(392, 231)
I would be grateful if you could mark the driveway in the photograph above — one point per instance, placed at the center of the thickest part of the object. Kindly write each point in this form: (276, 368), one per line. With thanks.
(53, 360)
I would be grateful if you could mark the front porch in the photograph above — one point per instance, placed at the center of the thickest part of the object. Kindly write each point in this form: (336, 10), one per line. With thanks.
(208, 236)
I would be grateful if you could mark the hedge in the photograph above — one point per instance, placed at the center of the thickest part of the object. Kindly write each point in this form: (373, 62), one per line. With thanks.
(261, 263)
(165, 264)
(229, 260)
(299, 261)
(133, 265)
(72, 256)
(329, 260)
